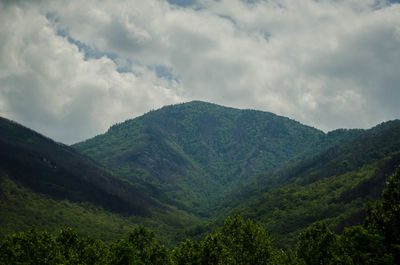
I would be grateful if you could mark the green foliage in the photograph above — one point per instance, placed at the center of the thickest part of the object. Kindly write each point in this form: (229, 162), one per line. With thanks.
(141, 238)
(20, 208)
(238, 241)
(363, 247)
(36, 247)
(333, 186)
(192, 154)
(188, 253)
(288, 257)
(375, 244)
(174, 164)
(69, 241)
(318, 245)
(149, 251)
(58, 171)
(51, 185)
(81, 250)
(247, 243)
(384, 217)
(32, 247)
(123, 253)
(288, 210)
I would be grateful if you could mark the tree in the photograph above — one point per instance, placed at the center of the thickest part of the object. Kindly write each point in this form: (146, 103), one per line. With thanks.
(188, 253)
(124, 253)
(149, 250)
(158, 255)
(141, 238)
(363, 247)
(237, 242)
(93, 251)
(384, 217)
(289, 257)
(213, 251)
(247, 243)
(318, 245)
(32, 247)
(69, 244)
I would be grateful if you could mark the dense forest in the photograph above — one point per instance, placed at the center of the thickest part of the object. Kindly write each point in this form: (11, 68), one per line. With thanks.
(238, 241)
(192, 154)
(214, 185)
(333, 186)
(51, 185)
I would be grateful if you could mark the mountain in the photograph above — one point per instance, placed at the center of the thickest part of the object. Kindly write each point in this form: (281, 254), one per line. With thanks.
(57, 170)
(49, 184)
(333, 186)
(192, 154)
(182, 169)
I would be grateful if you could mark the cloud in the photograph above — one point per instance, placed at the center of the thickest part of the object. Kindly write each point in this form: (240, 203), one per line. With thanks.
(47, 84)
(70, 68)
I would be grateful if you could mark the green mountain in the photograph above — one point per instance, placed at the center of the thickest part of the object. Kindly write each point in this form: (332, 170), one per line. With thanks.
(182, 169)
(192, 154)
(333, 186)
(51, 185)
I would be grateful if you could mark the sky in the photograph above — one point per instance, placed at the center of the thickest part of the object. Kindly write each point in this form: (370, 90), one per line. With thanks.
(71, 69)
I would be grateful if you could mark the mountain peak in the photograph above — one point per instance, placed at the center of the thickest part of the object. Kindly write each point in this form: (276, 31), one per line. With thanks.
(199, 150)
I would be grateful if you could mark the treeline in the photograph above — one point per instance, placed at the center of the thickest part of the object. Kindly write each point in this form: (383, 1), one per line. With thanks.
(238, 241)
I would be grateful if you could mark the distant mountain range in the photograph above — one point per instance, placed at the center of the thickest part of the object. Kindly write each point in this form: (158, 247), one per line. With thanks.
(182, 168)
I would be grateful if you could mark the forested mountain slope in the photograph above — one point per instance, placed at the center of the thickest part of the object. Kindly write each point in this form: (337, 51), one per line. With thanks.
(49, 184)
(184, 165)
(192, 154)
(237, 241)
(333, 186)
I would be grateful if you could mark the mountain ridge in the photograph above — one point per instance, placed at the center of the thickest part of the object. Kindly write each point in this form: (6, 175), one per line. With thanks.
(24, 151)
(333, 186)
(38, 174)
(200, 150)
(183, 164)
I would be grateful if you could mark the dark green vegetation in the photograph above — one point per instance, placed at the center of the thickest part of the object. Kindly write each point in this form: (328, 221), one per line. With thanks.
(192, 154)
(51, 185)
(52, 168)
(236, 242)
(333, 186)
(207, 159)
(183, 169)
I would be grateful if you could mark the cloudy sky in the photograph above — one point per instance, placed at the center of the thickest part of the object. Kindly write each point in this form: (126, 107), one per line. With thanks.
(70, 69)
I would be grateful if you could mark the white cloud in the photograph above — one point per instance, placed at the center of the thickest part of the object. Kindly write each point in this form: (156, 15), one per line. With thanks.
(47, 84)
(325, 63)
